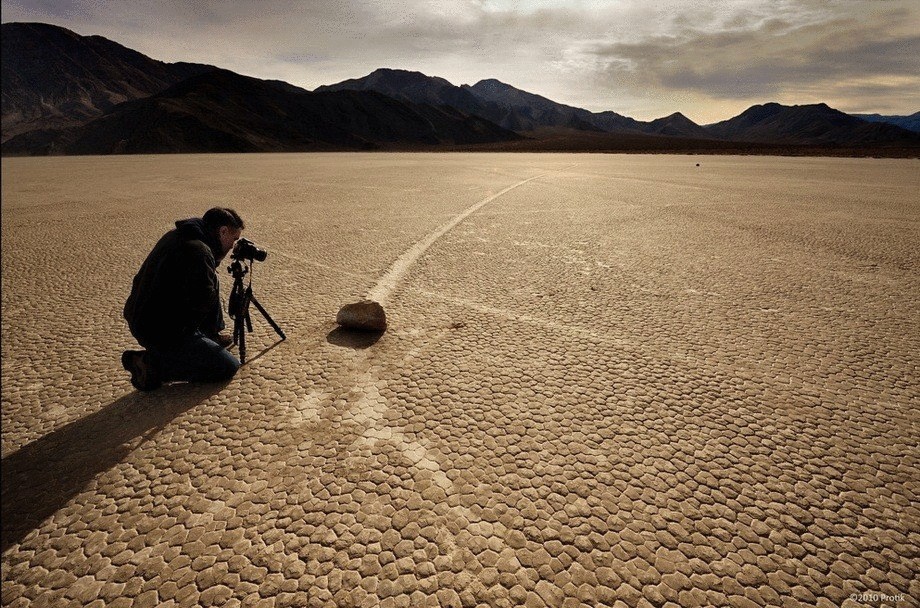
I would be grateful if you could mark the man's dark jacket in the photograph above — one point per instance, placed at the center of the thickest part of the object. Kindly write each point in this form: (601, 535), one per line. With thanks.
(176, 291)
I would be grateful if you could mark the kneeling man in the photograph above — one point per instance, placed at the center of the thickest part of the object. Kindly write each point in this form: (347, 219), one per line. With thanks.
(174, 309)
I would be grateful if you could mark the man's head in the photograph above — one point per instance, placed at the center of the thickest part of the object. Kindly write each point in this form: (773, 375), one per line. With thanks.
(226, 225)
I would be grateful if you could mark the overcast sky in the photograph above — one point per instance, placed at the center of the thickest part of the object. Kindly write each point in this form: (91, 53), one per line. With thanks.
(709, 59)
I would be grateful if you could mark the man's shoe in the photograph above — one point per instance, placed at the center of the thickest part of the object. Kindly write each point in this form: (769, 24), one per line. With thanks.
(143, 375)
(224, 340)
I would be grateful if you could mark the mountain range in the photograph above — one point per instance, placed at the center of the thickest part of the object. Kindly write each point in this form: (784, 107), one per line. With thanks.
(63, 93)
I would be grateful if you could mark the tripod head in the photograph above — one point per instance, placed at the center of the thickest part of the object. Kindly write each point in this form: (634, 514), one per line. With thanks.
(236, 306)
(239, 269)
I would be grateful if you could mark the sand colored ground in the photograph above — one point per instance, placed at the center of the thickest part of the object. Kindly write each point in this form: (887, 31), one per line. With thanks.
(608, 381)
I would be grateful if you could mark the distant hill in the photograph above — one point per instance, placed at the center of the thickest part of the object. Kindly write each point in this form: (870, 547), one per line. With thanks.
(221, 111)
(676, 125)
(612, 122)
(530, 111)
(815, 124)
(911, 122)
(421, 88)
(414, 87)
(491, 99)
(54, 78)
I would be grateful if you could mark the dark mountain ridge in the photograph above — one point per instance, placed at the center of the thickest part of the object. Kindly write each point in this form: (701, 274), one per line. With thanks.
(53, 78)
(529, 111)
(221, 111)
(503, 104)
(677, 125)
(535, 115)
(910, 122)
(409, 86)
(812, 124)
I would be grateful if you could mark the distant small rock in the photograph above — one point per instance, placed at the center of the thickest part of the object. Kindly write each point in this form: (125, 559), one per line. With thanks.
(365, 315)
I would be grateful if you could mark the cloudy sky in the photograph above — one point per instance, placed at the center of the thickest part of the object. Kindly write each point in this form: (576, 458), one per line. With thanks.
(709, 59)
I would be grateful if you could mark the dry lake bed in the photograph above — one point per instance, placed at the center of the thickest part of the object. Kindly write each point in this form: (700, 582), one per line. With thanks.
(608, 381)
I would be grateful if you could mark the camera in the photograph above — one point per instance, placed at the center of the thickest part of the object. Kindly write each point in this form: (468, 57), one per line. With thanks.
(247, 250)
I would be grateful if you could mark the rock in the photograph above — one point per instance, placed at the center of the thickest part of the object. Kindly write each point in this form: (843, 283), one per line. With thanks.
(365, 315)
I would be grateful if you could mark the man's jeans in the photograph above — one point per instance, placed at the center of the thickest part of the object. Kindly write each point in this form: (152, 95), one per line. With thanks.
(194, 359)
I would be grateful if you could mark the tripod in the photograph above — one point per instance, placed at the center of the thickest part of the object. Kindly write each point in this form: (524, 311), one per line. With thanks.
(238, 307)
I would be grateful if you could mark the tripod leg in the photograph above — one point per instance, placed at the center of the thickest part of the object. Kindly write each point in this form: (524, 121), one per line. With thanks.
(244, 308)
(268, 317)
(239, 337)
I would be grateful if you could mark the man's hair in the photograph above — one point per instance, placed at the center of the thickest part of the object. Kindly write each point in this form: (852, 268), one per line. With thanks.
(216, 217)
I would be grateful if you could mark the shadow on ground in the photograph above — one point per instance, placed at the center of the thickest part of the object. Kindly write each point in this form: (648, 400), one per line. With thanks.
(262, 352)
(43, 476)
(353, 338)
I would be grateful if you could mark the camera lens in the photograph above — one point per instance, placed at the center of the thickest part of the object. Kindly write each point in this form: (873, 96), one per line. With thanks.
(247, 250)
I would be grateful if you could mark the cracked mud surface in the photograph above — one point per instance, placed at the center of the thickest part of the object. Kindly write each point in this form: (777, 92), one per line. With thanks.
(608, 381)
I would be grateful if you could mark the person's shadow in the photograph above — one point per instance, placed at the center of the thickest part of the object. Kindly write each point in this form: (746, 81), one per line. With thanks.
(41, 477)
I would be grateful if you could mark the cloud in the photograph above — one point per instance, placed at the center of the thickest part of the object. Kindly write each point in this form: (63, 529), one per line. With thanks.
(776, 58)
